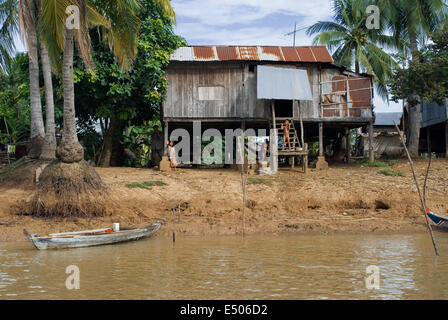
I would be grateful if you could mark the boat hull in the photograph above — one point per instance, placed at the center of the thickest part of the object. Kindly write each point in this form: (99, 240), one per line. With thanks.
(94, 240)
(440, 221)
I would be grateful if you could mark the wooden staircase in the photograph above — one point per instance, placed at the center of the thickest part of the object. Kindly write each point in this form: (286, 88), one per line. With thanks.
(296, 145)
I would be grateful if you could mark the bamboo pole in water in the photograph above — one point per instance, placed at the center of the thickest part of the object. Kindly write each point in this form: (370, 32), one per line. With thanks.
(173, 223)
(422, 200)
(244, 176)
(428, 140)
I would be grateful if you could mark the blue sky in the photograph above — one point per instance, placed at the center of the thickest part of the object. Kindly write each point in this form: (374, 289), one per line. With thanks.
(253, 22)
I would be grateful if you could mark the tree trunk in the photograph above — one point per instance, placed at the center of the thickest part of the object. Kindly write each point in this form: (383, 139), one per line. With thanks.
(37, 123)
(49, 147)
(108, 143)
(415, 111)
(70, 149)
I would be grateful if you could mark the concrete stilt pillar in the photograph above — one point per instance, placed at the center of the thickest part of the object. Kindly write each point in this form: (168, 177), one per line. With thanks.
(347, 144)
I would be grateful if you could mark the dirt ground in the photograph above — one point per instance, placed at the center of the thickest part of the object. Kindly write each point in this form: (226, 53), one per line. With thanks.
(344, 199)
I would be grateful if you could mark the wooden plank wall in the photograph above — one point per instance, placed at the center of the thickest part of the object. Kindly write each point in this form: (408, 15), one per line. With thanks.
(240, 91)
(239, 85)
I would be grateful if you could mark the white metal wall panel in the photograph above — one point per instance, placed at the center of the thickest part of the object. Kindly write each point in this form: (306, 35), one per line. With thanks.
(283, 84)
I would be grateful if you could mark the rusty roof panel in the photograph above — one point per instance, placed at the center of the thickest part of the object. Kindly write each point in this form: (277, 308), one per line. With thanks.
(249, 53)
(271, 54)
(252, 53)
(204, 53)
(321, 54)
(290, 54)
(227, 53)
(305, 54)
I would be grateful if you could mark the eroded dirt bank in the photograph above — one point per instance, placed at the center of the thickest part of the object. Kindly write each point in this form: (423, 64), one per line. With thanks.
(344, 199)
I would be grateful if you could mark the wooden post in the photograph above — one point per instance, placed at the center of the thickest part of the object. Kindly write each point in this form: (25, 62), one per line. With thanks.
(305, 159)
(292, 162)
(422, 200)
(321, 139)
(446, 139)
(173, 223)
(273, 149)
(301, 127)
(347, 143)
(165, 133)
(428, 141)
(244, 176)
(274, 125)
(371, 153)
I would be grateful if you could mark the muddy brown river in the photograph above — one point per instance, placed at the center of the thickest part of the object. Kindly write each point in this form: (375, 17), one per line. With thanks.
(230, 267)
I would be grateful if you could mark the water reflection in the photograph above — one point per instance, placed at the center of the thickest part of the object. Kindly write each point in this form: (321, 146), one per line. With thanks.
(256, 267)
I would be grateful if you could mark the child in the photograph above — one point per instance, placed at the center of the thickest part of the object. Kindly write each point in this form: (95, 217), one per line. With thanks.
(286, 126)
(172, 154)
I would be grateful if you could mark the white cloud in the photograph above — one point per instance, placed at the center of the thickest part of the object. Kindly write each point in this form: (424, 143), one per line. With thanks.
(227, 12)
(247, 22)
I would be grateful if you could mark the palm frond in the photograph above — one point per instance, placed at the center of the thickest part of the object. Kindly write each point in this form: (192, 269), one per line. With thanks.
(166, 5)
(8, 28)
(52, 23)
(322, 26)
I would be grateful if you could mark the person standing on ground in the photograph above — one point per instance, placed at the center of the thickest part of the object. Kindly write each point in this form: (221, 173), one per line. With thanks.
(156, 146)
(172, 154)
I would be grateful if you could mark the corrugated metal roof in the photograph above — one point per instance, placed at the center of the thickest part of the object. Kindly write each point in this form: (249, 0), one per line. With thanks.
(253, 53)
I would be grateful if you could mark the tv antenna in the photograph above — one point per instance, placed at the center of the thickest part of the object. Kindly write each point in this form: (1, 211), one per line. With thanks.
(295, 32)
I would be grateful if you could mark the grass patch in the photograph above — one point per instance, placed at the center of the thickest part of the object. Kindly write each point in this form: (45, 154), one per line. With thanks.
(4, 174)
(393, 162)
(375, 164)
(391, 172)
(258, 181)
(145, 185)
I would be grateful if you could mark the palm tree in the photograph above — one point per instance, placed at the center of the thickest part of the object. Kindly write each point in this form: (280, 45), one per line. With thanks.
(48, 151)
(353, 44)
(118, 24)
(22, 15)
(28, 15)
(410, 22)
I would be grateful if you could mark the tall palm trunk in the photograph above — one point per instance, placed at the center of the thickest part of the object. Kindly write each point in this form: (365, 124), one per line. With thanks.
(70, 149)
(37, 122)
(49, 147)
(415, 111)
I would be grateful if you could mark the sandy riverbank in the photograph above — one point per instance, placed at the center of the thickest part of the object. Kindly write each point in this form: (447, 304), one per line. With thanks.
(344, 199)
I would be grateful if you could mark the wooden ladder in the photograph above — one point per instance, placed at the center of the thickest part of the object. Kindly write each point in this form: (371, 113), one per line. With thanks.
(293, 136)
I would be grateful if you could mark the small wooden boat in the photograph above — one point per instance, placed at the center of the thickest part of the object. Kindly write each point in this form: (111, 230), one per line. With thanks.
(440, 221)
(89, 238)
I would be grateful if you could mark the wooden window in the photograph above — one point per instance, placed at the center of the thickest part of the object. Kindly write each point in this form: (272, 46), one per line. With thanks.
(211, 93)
